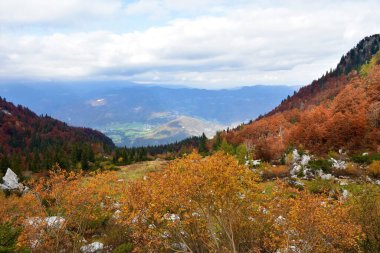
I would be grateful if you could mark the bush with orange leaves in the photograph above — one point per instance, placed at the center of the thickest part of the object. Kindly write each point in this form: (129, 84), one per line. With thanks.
(374, 169)
(312, 223)
(215, 205)
(62, 210)
(272, 172)
(196, 204)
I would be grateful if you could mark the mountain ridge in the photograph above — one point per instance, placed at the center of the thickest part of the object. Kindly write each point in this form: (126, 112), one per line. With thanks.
(123, 112)
(334, 80)
(338, 111)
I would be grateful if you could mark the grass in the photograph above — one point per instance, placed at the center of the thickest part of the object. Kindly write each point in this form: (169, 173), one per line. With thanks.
(119, 132)
(139, 170)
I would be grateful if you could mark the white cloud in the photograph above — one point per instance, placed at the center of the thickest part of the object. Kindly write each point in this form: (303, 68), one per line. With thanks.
(163, 8)
(60, 11)
(253, 44)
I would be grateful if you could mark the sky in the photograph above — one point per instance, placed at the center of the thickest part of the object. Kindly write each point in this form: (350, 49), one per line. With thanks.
(198, 43)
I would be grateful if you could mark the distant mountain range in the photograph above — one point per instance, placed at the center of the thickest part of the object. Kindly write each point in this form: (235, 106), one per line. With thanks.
(135, 115)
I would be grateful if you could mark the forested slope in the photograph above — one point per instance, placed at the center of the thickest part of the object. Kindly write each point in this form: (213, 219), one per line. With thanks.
(32, 142)
(341, 110)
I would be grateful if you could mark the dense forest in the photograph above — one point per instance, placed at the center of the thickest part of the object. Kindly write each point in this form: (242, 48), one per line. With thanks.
(125, 155)
(36, 143)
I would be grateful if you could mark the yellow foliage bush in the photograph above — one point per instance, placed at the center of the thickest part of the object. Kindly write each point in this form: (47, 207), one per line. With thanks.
(83, 203)
(196, 204)
(351, 170)
(216, 205)
(271, 172)
(374, 169)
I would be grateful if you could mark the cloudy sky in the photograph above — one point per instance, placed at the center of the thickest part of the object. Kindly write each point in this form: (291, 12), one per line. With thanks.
(198, 43)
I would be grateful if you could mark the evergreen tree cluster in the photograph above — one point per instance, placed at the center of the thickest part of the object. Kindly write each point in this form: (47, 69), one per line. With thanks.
(125, 155)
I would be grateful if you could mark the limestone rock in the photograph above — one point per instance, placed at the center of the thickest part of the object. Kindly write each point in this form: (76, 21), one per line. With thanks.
(305, 160)
(10, 181)
(345, 194)
(338, 164)
(92, 247)
(296, 169)
(296, 156)
(327, 177)
(51, 221)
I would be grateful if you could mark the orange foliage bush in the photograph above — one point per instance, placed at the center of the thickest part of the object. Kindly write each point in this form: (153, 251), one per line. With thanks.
(271, 172)
(374, 169)
(351, 170)
(313, 224)
(78, 207)
(196, 204)
(216, 205)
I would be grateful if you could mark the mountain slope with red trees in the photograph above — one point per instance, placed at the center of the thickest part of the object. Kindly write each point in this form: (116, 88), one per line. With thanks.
(28, 141)
(341, 110)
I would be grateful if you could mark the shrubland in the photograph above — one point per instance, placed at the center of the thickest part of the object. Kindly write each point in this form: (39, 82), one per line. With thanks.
(195, 204)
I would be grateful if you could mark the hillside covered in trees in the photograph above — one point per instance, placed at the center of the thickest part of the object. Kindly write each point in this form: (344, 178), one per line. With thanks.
(35, 143)
(339, 111)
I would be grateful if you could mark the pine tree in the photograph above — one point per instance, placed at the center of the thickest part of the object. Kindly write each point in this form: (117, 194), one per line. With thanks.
(202, 148)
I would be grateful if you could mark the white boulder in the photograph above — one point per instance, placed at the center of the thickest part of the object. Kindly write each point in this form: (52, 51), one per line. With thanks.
(256, 162)
(252, 162)
(55, 221)
(345, 194)
(171, 217)
(280, 220)
(305, 160)
(10, 181)
(296, 156)
(327, 177)
(296, 169)
(51, 221)
(92, 247)
(116, 214)
(338, 164)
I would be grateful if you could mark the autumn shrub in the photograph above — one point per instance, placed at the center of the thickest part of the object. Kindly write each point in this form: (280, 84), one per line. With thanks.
(197, 204)
(366, 212)
(334, 154)
(313, 223)
(16, 209)
(374, 169)
(84, 203)
(272, 172)
(216, 205)
(351, 170)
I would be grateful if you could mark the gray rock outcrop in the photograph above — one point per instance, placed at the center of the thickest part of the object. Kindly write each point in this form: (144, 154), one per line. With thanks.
(10, 181)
